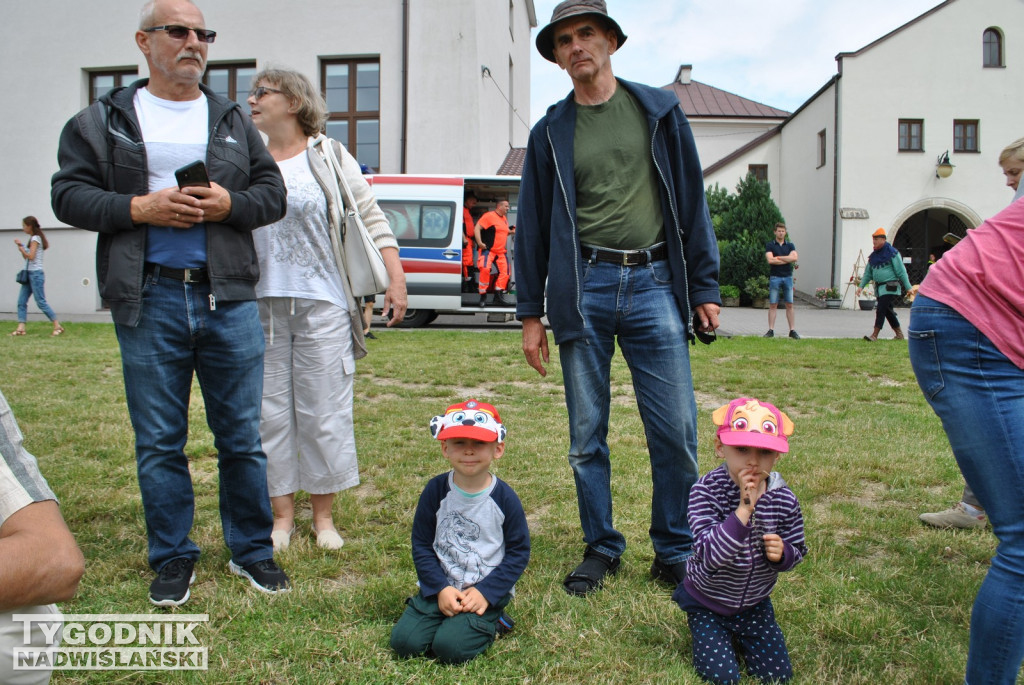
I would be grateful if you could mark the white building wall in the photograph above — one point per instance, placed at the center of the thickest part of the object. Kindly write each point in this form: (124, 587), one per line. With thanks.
(805, 194)
(718, 138)
(932, 70)
(458, 120)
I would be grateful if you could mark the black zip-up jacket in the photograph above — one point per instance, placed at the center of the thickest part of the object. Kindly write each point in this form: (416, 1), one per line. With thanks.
(103, 166)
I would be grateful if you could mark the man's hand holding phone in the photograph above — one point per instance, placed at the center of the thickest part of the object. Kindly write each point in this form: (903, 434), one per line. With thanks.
(195, 200)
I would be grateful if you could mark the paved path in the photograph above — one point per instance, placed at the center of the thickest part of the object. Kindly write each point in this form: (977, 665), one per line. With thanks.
(811, 321)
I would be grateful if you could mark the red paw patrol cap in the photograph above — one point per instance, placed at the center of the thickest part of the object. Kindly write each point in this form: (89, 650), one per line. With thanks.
(748, 422)
(469, 419)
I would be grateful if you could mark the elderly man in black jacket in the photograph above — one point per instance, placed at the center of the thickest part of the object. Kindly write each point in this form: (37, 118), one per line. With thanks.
(178, 269)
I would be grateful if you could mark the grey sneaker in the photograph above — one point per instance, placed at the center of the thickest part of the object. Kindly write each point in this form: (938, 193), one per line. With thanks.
(170, 587)
(769, 334)
(265, 576)
(955, 517)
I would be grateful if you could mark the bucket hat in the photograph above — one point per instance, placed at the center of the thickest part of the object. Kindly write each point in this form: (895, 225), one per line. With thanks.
(573, 8)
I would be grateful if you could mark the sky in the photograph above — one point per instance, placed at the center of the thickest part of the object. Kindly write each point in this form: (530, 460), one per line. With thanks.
(776, 52)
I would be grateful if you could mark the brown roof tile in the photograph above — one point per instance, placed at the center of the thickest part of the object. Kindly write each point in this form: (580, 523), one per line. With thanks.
(701, 100)
(513, 164)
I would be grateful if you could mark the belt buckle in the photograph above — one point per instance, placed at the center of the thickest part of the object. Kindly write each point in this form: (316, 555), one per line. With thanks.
(187, 273)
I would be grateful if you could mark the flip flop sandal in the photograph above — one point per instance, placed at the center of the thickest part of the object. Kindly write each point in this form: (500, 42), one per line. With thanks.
(57, 331)
(589, 576)
(14, 333)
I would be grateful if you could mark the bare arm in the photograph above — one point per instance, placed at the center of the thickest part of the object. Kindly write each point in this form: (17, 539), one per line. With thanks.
(396, 299)
(40, 562)
(30, 253)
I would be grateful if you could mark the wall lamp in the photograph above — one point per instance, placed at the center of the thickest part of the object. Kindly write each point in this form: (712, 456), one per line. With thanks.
(943, 168)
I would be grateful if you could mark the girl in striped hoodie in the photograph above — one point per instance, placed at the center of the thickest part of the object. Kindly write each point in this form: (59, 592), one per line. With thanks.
(747, 528)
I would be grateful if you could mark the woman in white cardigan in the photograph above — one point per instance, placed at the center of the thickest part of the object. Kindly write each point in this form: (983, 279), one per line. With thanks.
(310, 317)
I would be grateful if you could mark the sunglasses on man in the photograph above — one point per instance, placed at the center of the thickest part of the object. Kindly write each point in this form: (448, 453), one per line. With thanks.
(181, 32)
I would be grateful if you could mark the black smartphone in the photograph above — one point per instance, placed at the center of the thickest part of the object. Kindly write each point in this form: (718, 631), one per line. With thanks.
(193, 174)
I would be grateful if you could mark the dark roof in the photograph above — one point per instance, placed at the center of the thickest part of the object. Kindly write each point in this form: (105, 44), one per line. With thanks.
(513, 164)
(701, 100)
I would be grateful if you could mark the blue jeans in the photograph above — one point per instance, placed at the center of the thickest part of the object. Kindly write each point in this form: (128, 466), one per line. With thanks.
(777, 283)
(34, 288)
(970, 384)
(179, 335)
(634, 304)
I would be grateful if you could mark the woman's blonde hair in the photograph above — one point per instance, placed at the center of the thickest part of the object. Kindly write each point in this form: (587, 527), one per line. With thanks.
(1014, 149)
(312, 109)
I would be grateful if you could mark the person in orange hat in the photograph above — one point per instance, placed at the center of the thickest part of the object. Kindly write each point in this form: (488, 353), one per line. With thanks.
(885, 268)
(747, 528)
(470, 543)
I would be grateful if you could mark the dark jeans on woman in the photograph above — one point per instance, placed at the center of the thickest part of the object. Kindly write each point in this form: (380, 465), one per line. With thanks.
(885, 311)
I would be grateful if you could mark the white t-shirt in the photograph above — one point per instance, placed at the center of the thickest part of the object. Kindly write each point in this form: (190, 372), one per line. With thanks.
(296, 258)
(37, 263)
(175, 134)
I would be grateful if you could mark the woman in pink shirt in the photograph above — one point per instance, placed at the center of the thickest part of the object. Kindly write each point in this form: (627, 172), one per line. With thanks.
(966, 343)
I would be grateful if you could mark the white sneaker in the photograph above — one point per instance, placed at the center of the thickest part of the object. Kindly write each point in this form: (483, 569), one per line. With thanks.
(955, 517)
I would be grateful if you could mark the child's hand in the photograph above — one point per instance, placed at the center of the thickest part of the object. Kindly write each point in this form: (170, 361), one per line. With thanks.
(475, 602)
(750, 492)
(773, 547)
(449, 601)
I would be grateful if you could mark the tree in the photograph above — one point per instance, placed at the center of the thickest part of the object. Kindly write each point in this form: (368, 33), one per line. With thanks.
(744, 223)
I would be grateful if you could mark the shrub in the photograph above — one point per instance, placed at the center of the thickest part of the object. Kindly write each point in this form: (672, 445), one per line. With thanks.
(756, 288)
(728, 291)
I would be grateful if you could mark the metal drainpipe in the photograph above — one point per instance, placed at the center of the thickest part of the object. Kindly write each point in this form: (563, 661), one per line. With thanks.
(835, 175)
(405, 81)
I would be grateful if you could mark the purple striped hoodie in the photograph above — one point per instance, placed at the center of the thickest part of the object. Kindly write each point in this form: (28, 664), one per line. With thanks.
(728, 571)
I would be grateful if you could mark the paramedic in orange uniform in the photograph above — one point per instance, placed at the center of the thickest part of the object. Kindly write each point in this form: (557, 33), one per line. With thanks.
(491, 235)
(468, 236)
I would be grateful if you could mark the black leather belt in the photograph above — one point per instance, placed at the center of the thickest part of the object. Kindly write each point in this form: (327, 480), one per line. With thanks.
(627, 257)
(185, 275)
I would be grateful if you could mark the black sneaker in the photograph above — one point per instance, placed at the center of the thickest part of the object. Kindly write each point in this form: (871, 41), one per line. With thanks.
(265, 576)
(170, 587)
(794, 335)
(769, 334)
(673, 574)
(505, 625)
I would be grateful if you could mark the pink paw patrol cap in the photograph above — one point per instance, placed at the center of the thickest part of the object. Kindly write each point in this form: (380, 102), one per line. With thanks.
(748, 422)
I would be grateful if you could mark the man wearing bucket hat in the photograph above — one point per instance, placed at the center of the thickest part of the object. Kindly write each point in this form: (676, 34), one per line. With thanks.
(613, 224)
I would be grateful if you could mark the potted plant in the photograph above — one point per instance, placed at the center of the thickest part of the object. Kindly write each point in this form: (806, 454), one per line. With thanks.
(867, 298)
(730, 295)
(756, 289)
(830, 296)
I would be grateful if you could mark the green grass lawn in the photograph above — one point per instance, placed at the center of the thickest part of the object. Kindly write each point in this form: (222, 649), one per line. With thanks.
(879, 599)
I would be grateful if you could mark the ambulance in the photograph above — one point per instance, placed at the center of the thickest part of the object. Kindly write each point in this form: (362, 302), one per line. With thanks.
(425, 213)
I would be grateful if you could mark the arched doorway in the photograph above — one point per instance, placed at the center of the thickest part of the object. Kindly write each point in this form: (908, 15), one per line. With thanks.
(921, 230)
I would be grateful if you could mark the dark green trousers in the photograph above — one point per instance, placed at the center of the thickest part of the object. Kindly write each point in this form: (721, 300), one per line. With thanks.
(423, 629)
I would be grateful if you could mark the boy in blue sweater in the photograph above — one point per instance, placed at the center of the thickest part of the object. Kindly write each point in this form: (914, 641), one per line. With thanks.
(747, 528)
(470, 542)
